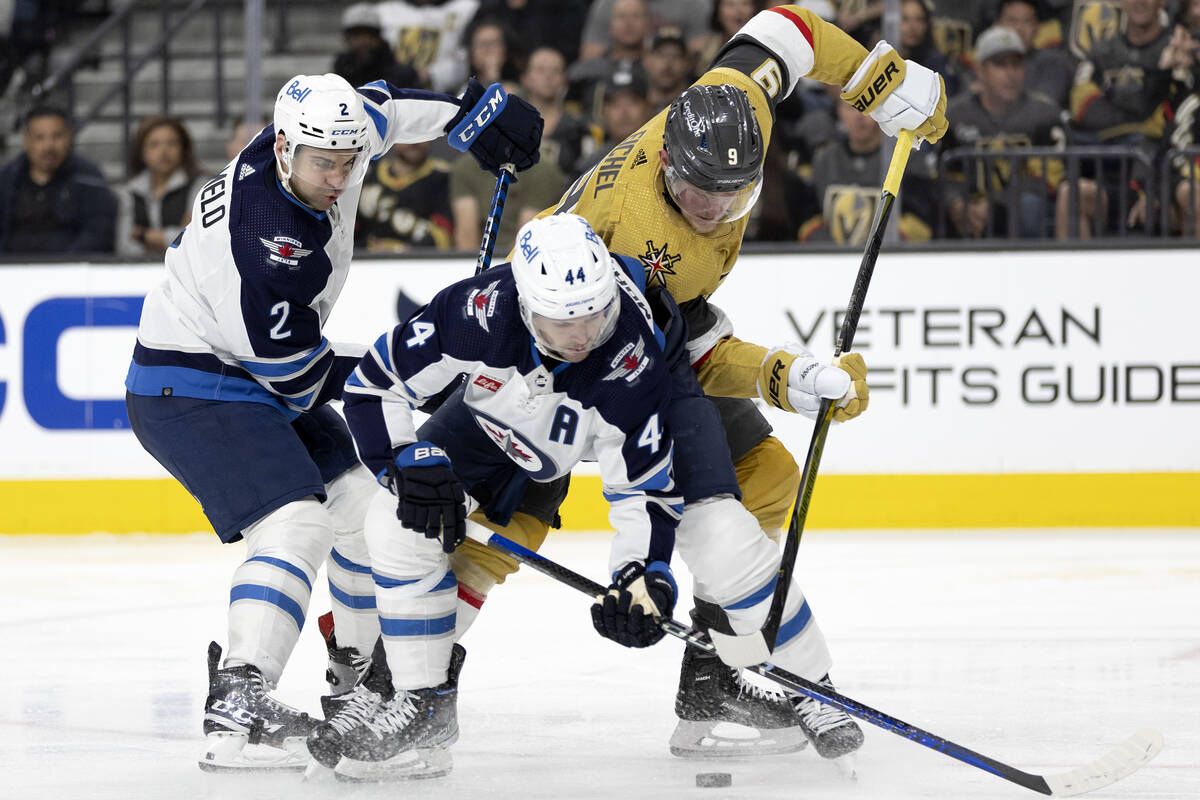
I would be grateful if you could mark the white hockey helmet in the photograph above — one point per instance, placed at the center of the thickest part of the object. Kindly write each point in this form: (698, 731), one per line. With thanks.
(323, 112)
(566, 287)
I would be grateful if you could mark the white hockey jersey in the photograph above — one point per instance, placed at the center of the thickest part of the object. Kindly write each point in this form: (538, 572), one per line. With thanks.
(544, 415)
(251, 281)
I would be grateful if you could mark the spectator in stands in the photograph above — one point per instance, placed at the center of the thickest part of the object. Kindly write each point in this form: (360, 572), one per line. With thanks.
(565, 134)
(155, 204)
(427, 35)
(471, 191)
(624, 110)
(628, 31)
(860, 19)
(366, 56)
(1119, 97)
(1048, 71)
(956, 25)
(846, 175)
(493, 52)
(405, 202)
(668, 67)
(544, 23)
(240, 135)
(51, 200)
(728, 16)
(1000, 114)
(916, 43)
(689, 16)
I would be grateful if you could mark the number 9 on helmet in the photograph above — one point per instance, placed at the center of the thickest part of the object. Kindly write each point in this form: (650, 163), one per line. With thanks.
(566, 288)
(326, 135)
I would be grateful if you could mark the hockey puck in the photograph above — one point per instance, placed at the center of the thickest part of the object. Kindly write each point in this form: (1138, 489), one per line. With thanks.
(714, 779)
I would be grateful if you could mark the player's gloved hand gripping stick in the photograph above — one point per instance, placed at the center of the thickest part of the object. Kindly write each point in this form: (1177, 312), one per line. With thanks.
(754, 648)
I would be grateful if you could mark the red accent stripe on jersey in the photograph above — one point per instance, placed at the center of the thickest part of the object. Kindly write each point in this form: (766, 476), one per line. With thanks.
(699, 362)
(470, 596)
(796, 19)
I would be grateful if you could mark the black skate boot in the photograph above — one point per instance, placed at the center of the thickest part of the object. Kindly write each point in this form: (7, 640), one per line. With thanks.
(711, 693)
(346, 664)
(244, 727)
(408, 736)
(833, 733)
(346, 711)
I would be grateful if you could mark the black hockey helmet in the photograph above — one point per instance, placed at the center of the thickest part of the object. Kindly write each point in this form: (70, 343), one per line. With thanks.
(713, 142)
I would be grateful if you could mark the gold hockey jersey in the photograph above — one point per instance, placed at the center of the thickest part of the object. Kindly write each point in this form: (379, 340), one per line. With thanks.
(624, 197)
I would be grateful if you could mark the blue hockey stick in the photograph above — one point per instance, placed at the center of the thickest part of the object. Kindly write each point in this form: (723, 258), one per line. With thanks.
(492, 226)
(1124, 759)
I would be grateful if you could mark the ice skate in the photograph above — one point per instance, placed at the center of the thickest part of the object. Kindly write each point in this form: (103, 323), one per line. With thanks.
(832, 732)
(721, 714)
(408, 737)
(346, 664)
(245, 728)
(346, 711)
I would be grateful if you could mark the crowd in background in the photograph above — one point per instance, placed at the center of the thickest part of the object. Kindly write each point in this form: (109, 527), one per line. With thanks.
(1042, 74)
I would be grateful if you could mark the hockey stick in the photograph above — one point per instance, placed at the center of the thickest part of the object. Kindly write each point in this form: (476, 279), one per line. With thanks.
(755, 648)
(492, 226)
(1121, 761)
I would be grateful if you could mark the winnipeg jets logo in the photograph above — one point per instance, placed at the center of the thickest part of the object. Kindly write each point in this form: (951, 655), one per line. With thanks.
(515, 449)
(630, 362)
(658, 263)
(481, 304)
(285, 250)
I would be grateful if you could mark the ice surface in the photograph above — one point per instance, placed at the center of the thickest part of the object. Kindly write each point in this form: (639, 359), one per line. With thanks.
(1040, 649)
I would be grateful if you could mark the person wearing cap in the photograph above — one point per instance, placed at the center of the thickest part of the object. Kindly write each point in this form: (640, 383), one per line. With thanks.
(630, 27)
(367, 56)
(668, 68)
(1000, 113)
(677, 193)
(623, 109)
(1048, 70)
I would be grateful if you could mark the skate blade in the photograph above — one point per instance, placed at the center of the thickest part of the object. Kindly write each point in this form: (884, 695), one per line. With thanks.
(847, 766)
(408, 766)
(232, 752)
(316, 772)
(700, 739)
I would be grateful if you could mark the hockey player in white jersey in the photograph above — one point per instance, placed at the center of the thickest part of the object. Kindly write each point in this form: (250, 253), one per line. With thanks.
(564, 362)
(231, 374)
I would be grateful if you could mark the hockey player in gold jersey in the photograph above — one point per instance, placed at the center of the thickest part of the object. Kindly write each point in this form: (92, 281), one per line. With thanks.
(676, 193)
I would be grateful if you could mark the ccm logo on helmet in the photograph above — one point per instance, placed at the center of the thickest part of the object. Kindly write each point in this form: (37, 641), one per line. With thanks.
(867, 98)
(346, 132)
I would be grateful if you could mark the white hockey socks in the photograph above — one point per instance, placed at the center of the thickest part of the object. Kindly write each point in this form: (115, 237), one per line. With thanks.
(351, 588)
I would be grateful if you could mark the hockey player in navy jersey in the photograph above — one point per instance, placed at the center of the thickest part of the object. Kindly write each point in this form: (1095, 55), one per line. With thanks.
(231, 376)
(564, 362)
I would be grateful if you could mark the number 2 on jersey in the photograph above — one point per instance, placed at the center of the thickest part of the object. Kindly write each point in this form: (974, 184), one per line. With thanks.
(281, 308)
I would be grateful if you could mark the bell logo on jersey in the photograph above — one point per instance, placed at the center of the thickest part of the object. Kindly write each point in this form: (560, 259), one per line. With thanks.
(285, 250)
(629, 363)
(481, 304)
(659, 263)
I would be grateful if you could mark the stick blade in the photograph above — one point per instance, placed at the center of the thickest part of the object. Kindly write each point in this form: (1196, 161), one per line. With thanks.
(1124, 759)
(745, 650)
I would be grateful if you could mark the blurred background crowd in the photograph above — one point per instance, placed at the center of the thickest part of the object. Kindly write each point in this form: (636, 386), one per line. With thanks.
(1069, 119)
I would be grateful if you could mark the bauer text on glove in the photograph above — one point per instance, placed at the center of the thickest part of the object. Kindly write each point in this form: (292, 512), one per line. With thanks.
(793, 379)
(640, 596)
(899, 95)
(431, 498)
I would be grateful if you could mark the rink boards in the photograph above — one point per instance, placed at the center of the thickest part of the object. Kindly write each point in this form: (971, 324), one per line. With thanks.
(1033, 389)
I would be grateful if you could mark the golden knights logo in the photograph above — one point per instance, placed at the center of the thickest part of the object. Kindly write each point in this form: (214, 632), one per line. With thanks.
(417, 46)
(659, 263)
(952, 37)
(1093, 21)
(629, 362)
(848, 211)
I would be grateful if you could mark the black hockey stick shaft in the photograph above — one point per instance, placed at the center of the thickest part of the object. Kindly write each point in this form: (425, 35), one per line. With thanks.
(491, 226)
(1096, 775)
(816, 446)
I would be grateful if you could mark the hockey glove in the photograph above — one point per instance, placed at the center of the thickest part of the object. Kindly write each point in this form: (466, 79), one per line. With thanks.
(431, 498)
(496, 127)
(640, 595)
(793, 379)
(899, 95)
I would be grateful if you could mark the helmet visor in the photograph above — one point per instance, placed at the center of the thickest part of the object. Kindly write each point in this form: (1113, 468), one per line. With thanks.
(320, 176)
(705, 209)
(572, 339)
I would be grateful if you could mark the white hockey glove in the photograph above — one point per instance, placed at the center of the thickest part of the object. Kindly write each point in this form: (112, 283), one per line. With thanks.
(793, 379)
(899, 95)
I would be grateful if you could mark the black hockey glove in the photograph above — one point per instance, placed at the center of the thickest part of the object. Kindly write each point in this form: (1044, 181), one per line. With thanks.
(430, 494)
(496, 127)
(640, 595)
